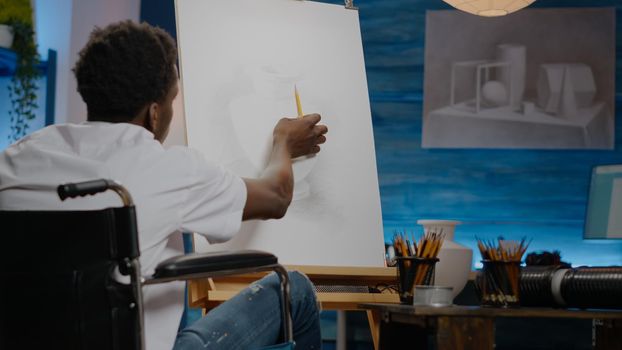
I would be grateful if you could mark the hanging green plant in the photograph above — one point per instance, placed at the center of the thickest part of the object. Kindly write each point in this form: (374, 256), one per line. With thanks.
(17, 14)
(15, 10)
(23, 87)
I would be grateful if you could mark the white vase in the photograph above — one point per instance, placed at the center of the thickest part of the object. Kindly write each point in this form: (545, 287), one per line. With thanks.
(513, 78)
(6, 36)
(455, 260)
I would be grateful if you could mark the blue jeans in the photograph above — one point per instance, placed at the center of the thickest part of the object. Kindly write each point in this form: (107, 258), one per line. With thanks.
(252, 318)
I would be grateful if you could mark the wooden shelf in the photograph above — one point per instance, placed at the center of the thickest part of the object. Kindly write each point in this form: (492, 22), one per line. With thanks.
(329, 301)
(208, 293)
(8, 63)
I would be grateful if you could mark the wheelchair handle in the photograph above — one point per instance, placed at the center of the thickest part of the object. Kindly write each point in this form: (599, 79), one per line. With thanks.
(72, 190)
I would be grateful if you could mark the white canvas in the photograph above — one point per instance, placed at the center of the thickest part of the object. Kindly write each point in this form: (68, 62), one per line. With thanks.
(177, 130)
(240, 60)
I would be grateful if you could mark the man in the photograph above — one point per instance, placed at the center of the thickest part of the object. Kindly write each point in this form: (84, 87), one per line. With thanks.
(127, 77)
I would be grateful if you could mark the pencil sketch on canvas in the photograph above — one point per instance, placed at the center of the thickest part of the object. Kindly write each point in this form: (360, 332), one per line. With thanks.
(548, 85)
(240, 61)
(255, 113)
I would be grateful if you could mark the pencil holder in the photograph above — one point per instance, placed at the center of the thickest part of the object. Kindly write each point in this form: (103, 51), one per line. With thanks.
(500, 283)
(413, 271)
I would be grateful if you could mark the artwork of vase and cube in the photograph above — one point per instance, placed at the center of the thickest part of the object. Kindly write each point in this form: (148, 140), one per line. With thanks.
(505, 84)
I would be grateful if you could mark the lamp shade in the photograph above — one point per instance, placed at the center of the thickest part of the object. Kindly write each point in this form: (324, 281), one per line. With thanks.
(489, 8)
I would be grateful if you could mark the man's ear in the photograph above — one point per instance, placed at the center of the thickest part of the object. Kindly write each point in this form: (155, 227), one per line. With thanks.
(153, 117)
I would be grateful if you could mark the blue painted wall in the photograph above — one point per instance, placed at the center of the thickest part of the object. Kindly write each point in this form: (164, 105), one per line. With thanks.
(514, 193)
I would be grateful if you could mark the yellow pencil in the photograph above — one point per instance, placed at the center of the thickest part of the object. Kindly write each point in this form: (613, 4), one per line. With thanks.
(298, 105)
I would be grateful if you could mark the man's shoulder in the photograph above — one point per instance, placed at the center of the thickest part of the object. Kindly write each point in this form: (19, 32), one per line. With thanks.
(192, 158)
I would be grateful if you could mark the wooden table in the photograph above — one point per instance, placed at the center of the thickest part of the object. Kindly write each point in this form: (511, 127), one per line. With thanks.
(472, 327)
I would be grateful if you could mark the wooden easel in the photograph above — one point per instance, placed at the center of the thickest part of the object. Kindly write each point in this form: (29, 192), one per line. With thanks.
(209, 293)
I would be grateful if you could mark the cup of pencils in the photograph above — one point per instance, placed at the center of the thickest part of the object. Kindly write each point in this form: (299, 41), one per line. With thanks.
(415, 262)
(500, 283)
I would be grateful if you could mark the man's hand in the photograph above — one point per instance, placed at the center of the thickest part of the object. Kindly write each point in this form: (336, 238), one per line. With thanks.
(269, 196)
(301, 136)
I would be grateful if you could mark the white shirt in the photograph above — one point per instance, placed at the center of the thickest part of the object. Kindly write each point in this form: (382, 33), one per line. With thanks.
(173, 189)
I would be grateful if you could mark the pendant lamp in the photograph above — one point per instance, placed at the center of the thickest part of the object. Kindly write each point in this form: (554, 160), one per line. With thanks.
(489, 8)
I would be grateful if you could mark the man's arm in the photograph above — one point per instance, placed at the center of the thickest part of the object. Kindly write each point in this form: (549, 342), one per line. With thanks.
(269, 196)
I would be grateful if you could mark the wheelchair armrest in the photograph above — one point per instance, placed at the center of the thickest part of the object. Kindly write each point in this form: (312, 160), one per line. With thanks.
(213, 262)
(204, 265)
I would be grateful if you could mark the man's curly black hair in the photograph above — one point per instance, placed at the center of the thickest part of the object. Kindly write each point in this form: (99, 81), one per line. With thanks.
(124, 67)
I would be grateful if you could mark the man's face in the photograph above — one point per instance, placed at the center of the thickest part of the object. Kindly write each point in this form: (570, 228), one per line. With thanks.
(166, 113)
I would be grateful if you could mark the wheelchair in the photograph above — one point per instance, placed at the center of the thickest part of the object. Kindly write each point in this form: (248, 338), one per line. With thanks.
(57, 289)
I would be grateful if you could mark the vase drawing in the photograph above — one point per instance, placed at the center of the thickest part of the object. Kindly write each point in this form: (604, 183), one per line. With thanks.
(514, 78)
(455, 260)
(254, 116)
